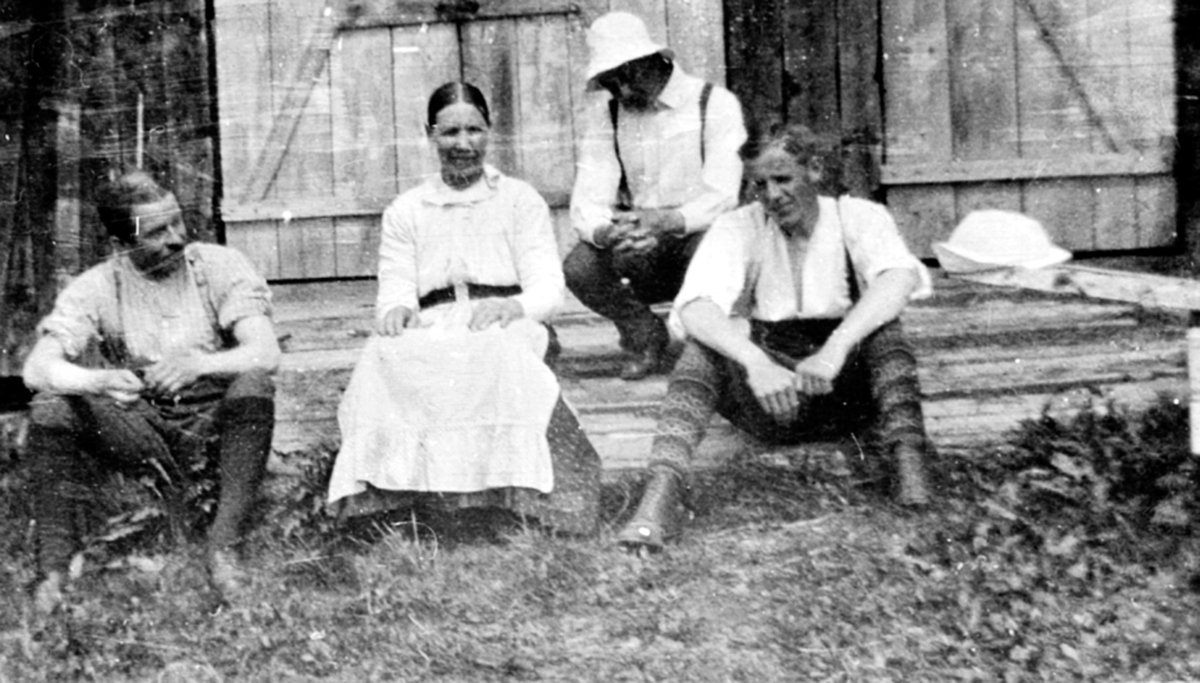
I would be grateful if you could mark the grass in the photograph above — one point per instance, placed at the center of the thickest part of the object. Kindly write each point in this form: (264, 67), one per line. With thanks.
(795, 568)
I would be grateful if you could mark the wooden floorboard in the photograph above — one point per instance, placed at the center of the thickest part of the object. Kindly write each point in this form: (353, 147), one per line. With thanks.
(988, 358)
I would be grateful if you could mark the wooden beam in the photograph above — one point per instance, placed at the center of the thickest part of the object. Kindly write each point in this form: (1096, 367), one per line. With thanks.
(1151, 291)
(393, 13)
(275, 209)
(1065, 166)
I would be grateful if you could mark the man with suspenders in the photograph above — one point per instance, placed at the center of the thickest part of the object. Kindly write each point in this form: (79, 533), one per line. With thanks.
(658, 162)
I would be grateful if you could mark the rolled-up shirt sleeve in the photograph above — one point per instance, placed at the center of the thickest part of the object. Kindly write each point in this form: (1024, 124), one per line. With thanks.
(725, 133)
(538, 267)
(718, 271)
(875, 245)
(239, 290)
(75, 320)
(397, 261)
(597, 173)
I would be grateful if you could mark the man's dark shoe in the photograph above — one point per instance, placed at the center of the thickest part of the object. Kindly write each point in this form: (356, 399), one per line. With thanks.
(659, 516)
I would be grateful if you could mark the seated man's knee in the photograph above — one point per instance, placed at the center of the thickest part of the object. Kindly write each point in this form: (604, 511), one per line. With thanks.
(252, 384)
(581, 264)
(54, 411)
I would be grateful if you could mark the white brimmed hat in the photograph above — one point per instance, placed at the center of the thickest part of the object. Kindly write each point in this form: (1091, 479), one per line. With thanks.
(616, 38)
(992, 238)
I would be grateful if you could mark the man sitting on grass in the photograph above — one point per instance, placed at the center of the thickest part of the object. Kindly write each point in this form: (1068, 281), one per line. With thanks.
(779, 339)
(148, 361)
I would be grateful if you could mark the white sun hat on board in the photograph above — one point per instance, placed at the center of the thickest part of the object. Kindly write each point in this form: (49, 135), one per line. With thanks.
(616, 38)
(992, 238)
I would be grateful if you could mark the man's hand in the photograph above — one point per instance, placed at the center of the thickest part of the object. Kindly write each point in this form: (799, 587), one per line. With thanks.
(396, 321)
(774, 387)
(121, 386)
(171, 375)
(642, 230)
(815, 374)
(485, 312)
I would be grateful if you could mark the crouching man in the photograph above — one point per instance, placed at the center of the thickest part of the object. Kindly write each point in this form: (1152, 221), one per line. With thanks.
(159, 357)
(791, 311)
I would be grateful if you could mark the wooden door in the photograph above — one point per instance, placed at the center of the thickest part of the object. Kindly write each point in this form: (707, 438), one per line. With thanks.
(323, 102)
(1062, 109)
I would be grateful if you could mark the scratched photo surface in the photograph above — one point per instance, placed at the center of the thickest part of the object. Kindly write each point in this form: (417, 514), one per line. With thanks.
(1061, 540)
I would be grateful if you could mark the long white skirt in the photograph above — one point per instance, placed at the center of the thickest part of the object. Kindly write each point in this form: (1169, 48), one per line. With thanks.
(448, 410)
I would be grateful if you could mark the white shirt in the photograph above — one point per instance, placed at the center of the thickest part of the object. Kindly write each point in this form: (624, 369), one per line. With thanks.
(744, 264)
(661, 153)
(495, 232)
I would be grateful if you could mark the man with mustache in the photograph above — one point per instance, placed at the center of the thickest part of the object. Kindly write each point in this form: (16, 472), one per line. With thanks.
(658, 163)
(154, 361)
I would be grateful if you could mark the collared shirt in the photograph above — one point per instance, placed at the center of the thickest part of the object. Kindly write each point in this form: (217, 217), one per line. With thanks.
(135, 320)
(495, 232)
(747, 266)
(661, 153)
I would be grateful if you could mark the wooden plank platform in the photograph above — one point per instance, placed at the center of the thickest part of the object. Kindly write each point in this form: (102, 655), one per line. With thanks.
(988, 358)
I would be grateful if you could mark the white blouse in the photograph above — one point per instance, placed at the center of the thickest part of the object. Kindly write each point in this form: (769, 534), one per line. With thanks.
(746, 266)
(495, 232)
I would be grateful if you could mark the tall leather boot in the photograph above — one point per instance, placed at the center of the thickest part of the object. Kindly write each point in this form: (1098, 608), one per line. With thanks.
(660, 514)
(246, 425)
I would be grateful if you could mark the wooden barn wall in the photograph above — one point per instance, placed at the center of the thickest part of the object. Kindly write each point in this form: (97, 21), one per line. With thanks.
(322, 105)
(71, 78)
(1062, 109)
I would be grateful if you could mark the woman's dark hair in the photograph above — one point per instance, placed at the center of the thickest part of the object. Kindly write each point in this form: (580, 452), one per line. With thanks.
(453, 92)
(115, 202)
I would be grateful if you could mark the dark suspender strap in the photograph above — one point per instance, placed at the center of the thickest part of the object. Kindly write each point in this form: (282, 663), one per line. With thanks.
(704, 95)
(851, 277)
(624, 196)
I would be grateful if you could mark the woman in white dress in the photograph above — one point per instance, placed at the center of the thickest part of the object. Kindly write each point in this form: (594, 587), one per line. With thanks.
(452, 403)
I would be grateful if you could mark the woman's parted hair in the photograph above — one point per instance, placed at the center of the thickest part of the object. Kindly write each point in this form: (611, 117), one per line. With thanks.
(453, 92)
(115, 202)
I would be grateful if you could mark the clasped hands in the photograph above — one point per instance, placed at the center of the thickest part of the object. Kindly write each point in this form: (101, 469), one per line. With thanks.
(484, 313)
(639, 231)
(167, 377)
(778, 389)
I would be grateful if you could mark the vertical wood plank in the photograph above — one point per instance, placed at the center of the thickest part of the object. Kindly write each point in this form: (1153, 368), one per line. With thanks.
(917, 103)
(695, 33)
(755, 72)
(982, 79)
(1066, 208)
(1116, 214)
(490, 55)
(423, 58)
(306, 249)
(810, 63)
(1152, 96)
(544, 137)
(364, 131)
(860, 103)
(357, 245)
(259, 241)
(242, 30)
(307, 166)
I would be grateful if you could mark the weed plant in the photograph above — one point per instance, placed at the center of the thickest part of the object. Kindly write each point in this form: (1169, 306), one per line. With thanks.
(1064, 554)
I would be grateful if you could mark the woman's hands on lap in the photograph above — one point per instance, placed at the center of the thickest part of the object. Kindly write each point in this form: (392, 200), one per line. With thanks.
(486, 312)
(395, 321)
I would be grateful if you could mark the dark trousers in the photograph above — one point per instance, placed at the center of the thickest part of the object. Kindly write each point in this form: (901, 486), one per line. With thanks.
(622, 287)
(877, 390)
(74, 441)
